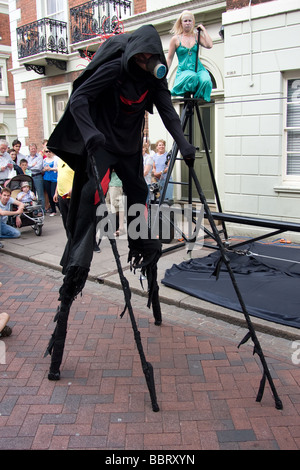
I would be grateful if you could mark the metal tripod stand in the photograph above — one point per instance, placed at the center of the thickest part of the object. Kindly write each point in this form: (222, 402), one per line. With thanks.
(191, 104)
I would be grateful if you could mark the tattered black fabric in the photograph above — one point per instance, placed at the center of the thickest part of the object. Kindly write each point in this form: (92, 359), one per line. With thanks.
(145, 256)
(73, 284)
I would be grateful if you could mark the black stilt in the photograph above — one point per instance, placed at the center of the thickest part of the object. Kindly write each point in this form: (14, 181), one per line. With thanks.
(251, 334)
(73, 284)
(146, 366)
(57, 342)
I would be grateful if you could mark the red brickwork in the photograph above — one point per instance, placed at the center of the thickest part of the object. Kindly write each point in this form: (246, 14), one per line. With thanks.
(232, 4)
(33, 103)
(139, 6)
(75, 3)
(4, 30)
(28, 11)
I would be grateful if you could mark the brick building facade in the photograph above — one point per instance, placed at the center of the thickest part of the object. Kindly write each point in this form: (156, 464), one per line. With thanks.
(255, 153)
(7, 98)
(231, 4)
(42, 78)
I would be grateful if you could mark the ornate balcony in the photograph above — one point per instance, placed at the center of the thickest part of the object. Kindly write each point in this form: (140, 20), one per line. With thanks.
(43, 42)
(98, 18)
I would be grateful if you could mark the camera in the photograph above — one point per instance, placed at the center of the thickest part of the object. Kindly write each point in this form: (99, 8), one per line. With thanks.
(154, 188)
(154, 192)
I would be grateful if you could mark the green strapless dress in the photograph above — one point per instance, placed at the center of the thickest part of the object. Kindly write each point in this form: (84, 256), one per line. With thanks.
(187, 80)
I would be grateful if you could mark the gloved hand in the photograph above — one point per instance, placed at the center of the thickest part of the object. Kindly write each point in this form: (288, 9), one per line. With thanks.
(94, 142)
(189, 160)
(188, 155)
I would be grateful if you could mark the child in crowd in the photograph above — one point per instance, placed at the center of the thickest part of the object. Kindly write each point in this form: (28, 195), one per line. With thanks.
(24, 167)
(26, 196)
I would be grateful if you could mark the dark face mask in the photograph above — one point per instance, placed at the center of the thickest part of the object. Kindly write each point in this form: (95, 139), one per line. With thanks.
(155, 67)
(152, 65)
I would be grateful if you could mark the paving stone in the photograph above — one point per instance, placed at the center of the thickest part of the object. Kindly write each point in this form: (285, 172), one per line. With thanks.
(206, 387)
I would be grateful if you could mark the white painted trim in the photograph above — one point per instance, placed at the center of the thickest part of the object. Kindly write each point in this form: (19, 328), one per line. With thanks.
(47, 92)
(3, 64)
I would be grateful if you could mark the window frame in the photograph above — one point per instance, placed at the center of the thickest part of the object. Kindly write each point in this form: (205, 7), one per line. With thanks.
(4, 79)
(288, 179)
(42, 11)
(47, 104)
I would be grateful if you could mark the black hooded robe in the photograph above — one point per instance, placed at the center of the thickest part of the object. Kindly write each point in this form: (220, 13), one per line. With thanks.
(105, 117)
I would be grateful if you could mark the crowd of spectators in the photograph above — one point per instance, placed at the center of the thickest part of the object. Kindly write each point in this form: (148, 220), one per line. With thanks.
(42, 167)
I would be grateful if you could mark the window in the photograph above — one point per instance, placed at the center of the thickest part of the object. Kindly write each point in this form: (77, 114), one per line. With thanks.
(55, 9)
(292, 129)
(54, 100)
(3, 78)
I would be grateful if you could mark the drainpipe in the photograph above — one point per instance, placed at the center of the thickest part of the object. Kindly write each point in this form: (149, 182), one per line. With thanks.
(251, 83)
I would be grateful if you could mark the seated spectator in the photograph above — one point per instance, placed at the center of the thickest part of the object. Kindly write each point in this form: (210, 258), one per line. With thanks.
(7, 231)
(6, 163)
(26, 195)
(24, 167)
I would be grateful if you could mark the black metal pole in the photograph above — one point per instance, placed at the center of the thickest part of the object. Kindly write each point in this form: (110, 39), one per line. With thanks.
(251, 333)
(198, 43)
(146, 366)
(211, 171)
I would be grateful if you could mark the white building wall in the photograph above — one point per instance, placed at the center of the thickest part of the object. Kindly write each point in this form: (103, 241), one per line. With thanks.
(262, 42)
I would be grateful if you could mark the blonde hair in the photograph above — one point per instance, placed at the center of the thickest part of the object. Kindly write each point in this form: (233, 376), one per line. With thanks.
(160, 140)
(177, 27)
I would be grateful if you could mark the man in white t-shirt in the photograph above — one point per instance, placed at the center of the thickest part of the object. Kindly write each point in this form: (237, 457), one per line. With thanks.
(7, 231)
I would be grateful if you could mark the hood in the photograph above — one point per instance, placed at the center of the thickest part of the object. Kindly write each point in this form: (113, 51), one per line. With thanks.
(144, 40)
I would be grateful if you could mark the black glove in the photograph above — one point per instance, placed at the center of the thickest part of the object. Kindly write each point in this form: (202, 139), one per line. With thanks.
(189, 160)
(94, 142)
(188, 154)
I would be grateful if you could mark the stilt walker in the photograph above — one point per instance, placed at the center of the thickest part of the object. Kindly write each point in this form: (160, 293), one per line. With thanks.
(101, 130)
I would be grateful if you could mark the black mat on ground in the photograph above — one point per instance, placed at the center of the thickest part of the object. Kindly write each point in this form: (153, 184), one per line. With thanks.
(268, 279)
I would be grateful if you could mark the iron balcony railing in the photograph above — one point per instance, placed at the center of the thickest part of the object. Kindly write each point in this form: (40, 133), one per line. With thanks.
(44, 35)
(97, 18)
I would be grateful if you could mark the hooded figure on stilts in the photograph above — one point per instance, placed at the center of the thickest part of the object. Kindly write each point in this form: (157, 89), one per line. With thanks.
(102, 129)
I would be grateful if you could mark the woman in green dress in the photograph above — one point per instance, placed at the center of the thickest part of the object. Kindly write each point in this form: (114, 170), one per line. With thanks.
(184, 43)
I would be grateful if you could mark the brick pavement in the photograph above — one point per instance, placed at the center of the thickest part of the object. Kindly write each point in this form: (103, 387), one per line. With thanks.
(206, 387)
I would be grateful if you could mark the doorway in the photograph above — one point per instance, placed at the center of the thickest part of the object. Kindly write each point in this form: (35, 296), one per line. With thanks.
(201, 166)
